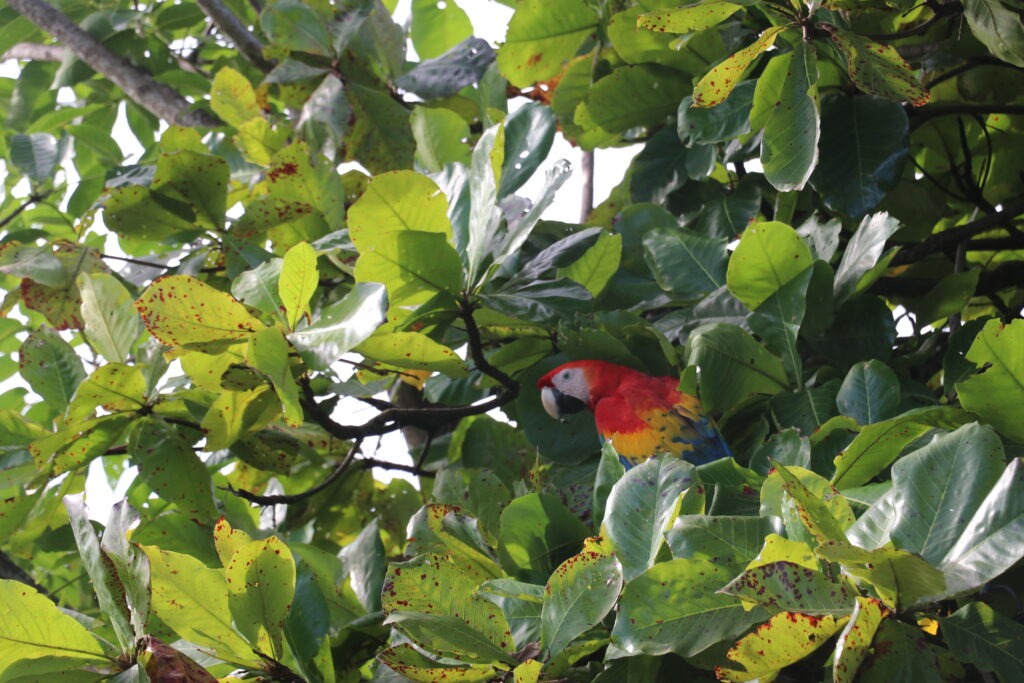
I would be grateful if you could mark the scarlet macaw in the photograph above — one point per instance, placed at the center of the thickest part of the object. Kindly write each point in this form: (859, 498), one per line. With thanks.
(641, 415)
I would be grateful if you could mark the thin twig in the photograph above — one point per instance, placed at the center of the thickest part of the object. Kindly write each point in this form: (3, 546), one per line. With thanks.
(29, 201)
(287, 499)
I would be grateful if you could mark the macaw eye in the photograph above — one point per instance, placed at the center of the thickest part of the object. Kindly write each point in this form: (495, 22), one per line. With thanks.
(566, 374)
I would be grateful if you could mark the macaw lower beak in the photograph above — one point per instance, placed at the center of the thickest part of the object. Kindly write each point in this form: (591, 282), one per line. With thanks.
(557, 404)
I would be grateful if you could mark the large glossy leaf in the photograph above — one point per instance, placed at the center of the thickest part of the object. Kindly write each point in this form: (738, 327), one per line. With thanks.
(900, 579)
(181, 310)
(36, 263)
(787, 638)
(412, 350)
(995, 393)
(198, 181)
(865, 142)
(598, 265)
(778, 318)
(298, 281)
(734, 367)
(731, 542)
(878, 69)
(408, 662)
(904, 652)
(396, 201)
(720, 123)
(789, 145)
(414, 265)
(440, 137)
(444, 530)
(537, 534)
(695, 17)
(641, 507)
(631, 96)
(718, 84)
(380, 137)
(684, 263)
(167, 463)
(675, 607)
(788, 587)
(997, 25)
(869, 393)
(529, 132)
(111, 322)
(768, 256)
(579, 594)
(40, 640)
(128, 562)
(434, 603)
(855, 640)
(978, 634)
(296, 26)
(341, 326)
(51, 367)
(437, 27)
(269, 353)
(232, 98)
(261, 586)
(542, 35)
(443, 76)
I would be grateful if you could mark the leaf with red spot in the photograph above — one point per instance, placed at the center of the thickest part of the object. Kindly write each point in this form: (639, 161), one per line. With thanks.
(579, 594)
(181, 310)
(789, 145)
(298, 281)
(163, 663)
(718, 84)
(412, 350)
(269, 353)
(854, 641)
(444, 530)
(696, 17)
(878, 69)
(789, 587)
(810, 507)
(51, 367)
(542, 36)
(261, 585)
(113, 387)
(901, 579)
(407, 661)
(434, 603)
(171, 468)
(78, 443)
(787, 638)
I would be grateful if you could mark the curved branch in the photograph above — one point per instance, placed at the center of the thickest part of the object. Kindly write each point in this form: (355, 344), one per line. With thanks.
(948, 240)
(287, 499)
(230, 26)
(159, 98)
(919, 115)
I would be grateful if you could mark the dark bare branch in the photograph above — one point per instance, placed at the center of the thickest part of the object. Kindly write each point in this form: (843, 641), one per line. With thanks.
(230, 26)
(947, 240)
(159, 98)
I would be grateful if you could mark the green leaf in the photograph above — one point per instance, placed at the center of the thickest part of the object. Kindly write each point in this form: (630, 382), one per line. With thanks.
(596, 267)
(444, 530)
(111, 322)
(35, 155)
(879, 444)
(198, 181)
(537, 534)
(233, 99)
(233, 414)
(787, 638)
(631, 96)
(789, 587)
(730, 542)
(192, 599)
(997, 25)
(407, 661)
(114, 387)
(397, 201)
(33, 629)
(902, 580)
(412, 350)
(437, 27)
(296, 26)
(777, 321)
(789, 145)
(36, 263)
(977, 634)
(683, 263)
(855, 640)
(167, 463)
(366, 563)
(79, 443)
(434, 603)
(949, 296)
(768, 256)
(716, 85)
(641, 506)
(128, 562)
(865, 142)
(529, 132)
(869, 393)
(998, 389)
(180, 310)
(675, 606)
(904, 652)
(878, 69)
(298, 281)
(818, 506)
(134, 211)
(341, 326)
(734, 367)
(861, 255)
(465, 64)
(440, 138)
(542, 36)
(105, 583)
(381, 137)
(806, 410)
(941, 486)
(721, 123)
(413, 265)
(258, 287)
(269, 353)
(51, 367)
(991, 542)
(697, 17)
(261, 585)
(579, 594)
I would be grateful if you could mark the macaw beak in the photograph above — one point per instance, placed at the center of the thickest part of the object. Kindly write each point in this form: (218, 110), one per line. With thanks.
(557, 404)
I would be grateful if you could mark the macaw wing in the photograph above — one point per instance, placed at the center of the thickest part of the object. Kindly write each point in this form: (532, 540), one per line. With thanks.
(641, 426)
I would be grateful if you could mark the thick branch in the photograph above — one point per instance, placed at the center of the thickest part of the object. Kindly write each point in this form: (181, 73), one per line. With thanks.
(160, 99)
(947, 240)
(990, 282)
(921, 114)
(587, 198)
(308, 493)
(230, 26)
(34, 52)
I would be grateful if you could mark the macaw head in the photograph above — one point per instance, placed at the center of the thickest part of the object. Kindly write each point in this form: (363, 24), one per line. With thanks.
(565, 389)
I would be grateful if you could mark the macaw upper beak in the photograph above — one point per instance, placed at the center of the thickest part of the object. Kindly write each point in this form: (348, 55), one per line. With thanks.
(557, 404)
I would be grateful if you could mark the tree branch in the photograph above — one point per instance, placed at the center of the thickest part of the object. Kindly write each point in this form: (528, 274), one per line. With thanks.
(990, 282)
(230, 26)
(587, 199)
(947, 240)
(160, 99)
(288, 499)
(34, 52)
(921, 114)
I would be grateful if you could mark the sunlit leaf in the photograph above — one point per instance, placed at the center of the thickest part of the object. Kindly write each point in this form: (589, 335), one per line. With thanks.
(181, 310)
(994, 393)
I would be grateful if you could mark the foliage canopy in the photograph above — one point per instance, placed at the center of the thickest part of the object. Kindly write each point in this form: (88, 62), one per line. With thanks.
(196, 322)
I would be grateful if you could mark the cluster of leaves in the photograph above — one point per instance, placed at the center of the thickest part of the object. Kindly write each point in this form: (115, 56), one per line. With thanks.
(203, 363)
